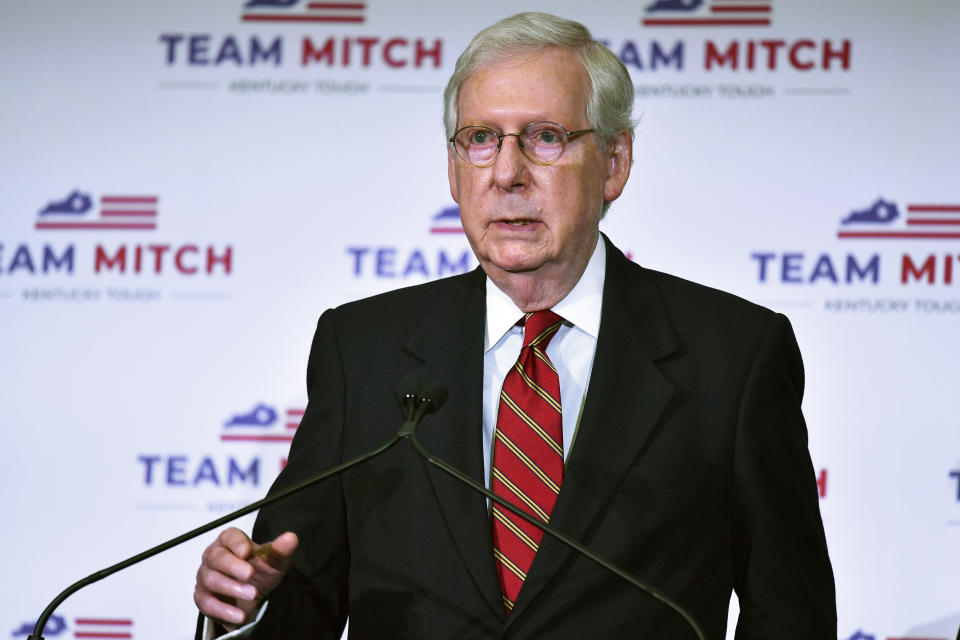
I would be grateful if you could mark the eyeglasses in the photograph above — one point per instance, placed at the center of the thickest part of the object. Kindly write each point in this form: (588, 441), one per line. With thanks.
(540, 142)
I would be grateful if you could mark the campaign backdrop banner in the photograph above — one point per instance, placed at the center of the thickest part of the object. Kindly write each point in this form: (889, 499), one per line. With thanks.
(185, 187)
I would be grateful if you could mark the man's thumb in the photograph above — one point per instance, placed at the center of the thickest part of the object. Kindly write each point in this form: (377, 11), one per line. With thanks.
(277, 553)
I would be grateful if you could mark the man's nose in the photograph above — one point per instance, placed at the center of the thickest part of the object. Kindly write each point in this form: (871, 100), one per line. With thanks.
(510, 167)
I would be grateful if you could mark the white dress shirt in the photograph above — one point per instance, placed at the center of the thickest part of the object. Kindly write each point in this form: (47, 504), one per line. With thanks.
(571, 350)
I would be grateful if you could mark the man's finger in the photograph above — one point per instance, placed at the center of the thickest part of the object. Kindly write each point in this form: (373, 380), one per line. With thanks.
(217, 609)
(236, 541)
(223, 585)
(220, 558)
(277, 553)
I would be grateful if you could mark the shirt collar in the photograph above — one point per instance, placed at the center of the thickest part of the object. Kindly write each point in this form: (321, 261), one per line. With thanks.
(581, 307)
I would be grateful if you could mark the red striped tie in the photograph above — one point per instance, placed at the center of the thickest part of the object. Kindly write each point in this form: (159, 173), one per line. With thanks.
(527, 453)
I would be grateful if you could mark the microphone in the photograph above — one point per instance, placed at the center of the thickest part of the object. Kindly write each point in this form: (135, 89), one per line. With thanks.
(431, 400)
(407, 393)
(415, 403)
(433, 397)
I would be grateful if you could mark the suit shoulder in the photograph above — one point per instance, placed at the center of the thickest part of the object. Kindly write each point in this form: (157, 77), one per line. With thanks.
(734, 330)
(678, 291)
(400, 309)
(418, 293)
(706, 311)
(683, 299)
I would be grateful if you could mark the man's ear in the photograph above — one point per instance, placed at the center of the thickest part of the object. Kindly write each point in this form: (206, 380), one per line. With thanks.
(451, 174)
(619, 157)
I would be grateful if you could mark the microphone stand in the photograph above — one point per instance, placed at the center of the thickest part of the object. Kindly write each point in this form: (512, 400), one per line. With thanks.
(417, 406)
(409, 431)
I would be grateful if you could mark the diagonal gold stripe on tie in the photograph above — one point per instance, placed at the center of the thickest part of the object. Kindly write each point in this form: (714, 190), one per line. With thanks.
(536, 388)
(530, 422)
(528, 462)
(512, 526)
(509, 564)
(546, 333)
(537, 509)
(538, 352)
(508, 603)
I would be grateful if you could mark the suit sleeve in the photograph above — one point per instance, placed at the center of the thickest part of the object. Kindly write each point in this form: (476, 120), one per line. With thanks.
(784, 580)
(311, 601)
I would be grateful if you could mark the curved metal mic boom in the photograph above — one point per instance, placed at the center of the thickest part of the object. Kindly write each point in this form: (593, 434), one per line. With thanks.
(433, 398)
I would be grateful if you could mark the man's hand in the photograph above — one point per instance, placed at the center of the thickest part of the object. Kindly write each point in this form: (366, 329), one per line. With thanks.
(237, 575)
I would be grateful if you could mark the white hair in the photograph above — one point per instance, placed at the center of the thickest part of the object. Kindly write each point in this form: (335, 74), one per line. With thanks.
(610, 103)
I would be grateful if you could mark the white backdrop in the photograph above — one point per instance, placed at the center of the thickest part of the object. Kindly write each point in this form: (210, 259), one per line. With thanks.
(185, 187)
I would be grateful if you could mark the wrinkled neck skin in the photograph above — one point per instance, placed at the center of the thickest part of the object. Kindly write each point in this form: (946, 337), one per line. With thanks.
(540, 288)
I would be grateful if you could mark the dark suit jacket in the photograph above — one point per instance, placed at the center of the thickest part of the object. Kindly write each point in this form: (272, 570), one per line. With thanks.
(690, 469)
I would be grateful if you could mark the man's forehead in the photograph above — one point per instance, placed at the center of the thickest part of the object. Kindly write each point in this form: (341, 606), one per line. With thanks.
(555, 74)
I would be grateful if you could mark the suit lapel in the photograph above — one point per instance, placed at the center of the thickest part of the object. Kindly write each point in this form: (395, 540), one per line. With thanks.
(626, 397)
(450, 343)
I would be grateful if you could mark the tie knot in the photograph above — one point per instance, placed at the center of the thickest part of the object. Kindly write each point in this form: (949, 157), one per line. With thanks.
(539, 327)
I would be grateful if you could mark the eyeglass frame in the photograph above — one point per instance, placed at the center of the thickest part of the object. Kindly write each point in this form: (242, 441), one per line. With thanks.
(570, 135)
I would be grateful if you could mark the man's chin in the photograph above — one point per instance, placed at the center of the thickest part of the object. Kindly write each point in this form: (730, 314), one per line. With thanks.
(517, 265)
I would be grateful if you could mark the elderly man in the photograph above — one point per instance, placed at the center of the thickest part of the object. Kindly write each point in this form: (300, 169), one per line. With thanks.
(655, 420)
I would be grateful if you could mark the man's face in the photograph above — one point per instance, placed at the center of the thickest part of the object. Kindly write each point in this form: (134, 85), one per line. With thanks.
(521, 217)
